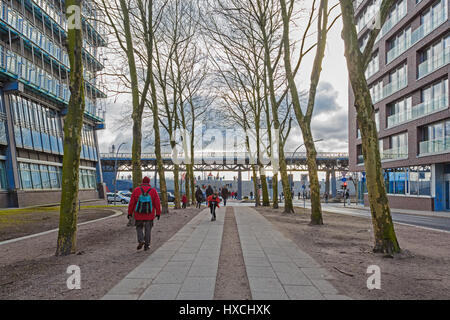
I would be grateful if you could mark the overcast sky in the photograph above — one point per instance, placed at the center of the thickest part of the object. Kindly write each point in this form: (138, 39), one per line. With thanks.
(330, 115)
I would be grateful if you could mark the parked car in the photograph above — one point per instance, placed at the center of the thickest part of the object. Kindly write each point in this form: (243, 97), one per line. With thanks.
(170, 196)
(125, 193)
(118, 198)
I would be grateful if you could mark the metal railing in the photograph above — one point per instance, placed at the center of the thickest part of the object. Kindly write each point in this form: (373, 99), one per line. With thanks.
(221, 155)
(434, 63)
(434, 146)
(416, 36)
(395, 153)
(418, 111)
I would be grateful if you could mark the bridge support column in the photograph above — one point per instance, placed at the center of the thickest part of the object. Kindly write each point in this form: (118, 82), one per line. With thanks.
(333, 183)
(239, 185)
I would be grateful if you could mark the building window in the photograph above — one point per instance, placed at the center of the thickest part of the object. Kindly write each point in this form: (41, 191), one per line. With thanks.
(434, 57)
(36, 176)
(45, 177)
(377, 120)
(25, 176)
(55, 176)
(373, 66)
(398, 147)
(413, 181)
(36, 126)
(399, 112)
(435, 138)
(419, 180)
(3, 181)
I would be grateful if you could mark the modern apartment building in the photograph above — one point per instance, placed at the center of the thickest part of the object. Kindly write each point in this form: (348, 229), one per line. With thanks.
(408, 80)
(34, 94)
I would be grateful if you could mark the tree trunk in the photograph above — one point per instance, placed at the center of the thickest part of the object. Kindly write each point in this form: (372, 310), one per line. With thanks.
(137, 106)
(288, 206)
(255, 186)
(385, 238)
(176, 186)
(67, 234)
(265, 190)
(191, 180)
(187, 187)
(159, 161)
(314, 186)
(275, 191)
(327, 182)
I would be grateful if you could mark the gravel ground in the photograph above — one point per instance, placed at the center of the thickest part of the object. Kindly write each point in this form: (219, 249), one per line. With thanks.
(231, 282)
(344, 246)
(106, 254)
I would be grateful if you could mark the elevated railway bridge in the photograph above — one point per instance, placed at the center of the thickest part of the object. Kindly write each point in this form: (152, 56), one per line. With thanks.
(330, 162)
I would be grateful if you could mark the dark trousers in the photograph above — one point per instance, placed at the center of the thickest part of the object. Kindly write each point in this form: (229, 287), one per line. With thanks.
(199, 203)
(184, 205)
(212, 208)
(224, 201)
(141, 226)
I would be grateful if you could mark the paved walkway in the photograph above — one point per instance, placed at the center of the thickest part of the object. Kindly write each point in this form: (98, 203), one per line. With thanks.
(186, 266)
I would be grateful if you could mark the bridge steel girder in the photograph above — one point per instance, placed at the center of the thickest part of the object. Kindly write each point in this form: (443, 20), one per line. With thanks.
(292, 165)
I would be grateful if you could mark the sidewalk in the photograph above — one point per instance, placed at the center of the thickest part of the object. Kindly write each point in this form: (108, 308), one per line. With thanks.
(276, 268)
(441, 214)
(185, 267)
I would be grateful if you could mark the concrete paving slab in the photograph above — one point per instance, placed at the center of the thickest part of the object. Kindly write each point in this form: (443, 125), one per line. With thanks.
(303, 293)
(275, 264)
(185, 266)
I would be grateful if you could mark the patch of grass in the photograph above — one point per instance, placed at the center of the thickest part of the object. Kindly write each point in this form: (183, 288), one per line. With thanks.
(27, 210)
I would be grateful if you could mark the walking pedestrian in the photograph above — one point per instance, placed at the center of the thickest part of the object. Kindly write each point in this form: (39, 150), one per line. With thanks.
(213, 202)
(251, 195)
(184, 201)
(209, 191)
(325, 195)
(199, 197)
(144, 204)
(347, 196)
(225, 195)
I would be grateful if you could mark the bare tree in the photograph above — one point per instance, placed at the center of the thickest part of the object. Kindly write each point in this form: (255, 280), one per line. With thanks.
(357, 61)
(304, 119)
(67, 234)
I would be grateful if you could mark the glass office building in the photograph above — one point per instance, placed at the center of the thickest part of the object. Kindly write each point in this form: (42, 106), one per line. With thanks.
(408, 80)
(34, 94)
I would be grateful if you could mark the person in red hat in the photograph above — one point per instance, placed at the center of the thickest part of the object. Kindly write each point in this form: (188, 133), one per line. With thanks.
(144, 204)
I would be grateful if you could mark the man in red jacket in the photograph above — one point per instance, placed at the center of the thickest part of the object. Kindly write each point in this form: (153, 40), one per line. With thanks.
(144, 220)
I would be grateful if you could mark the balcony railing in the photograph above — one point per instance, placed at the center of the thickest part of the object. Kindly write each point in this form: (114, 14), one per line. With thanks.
(434, 63)
(418, 111)
(416, 35)
(389, 89)
(395, 153)
(434, 146)
(390, 23)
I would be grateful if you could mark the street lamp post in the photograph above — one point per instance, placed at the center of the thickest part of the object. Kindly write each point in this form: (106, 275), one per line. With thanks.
(115, 172)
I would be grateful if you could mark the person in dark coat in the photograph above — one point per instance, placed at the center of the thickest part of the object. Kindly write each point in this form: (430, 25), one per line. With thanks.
(144, 220)
(209, 191)
(225, 195)
(199, 197)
